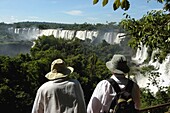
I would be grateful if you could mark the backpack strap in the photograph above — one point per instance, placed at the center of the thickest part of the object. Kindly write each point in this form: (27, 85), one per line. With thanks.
(114, 85)
(129, 86)
(116, 88)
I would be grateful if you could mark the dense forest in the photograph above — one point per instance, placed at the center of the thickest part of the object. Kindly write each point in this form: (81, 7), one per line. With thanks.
(75, 26)
(23, 74)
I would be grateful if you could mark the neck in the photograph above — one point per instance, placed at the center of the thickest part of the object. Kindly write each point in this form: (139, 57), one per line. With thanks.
(119, 75)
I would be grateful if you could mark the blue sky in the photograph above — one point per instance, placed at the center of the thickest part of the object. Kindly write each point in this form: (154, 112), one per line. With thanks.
(70, 11)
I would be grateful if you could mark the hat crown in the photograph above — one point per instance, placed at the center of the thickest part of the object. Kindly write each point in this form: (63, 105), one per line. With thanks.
(59, 70)
(119, 59)
(118, 64)
(58, 65)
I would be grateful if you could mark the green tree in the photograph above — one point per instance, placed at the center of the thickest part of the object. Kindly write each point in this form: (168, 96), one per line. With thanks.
(151, 30)
(125, 4)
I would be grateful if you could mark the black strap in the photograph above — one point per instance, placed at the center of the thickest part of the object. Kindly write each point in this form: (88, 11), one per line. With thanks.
(116, 87)
(129, 86)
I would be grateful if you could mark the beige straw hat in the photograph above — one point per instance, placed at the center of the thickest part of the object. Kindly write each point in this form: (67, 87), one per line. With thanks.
(58, 70)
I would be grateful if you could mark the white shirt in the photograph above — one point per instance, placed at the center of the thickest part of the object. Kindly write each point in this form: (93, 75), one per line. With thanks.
(60, 96)
(104, 93)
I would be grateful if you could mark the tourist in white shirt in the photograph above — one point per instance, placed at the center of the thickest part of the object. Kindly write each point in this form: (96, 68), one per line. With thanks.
(104, 93)
(60, 94)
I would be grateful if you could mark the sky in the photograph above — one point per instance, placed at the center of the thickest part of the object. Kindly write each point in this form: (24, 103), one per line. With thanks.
(70, 11)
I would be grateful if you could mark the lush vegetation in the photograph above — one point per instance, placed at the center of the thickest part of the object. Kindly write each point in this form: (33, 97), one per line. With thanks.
(151, 30)
(20, 76)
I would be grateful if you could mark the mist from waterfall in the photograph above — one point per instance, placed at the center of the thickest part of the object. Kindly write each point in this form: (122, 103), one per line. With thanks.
(24, 33)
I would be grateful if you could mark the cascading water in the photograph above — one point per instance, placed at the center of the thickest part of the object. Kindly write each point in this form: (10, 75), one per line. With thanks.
(141, 55)
(33, 33)
(30, 34)
(162, 68)
(119, 38)
(25, 33)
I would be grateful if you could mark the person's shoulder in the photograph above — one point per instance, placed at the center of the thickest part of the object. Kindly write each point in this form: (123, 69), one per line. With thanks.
(73, 81)
(103, 83)
(45, 85)
(135, 85)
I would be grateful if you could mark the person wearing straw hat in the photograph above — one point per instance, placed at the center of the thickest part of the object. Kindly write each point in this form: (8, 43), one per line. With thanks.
(104, 93)
(60, 94)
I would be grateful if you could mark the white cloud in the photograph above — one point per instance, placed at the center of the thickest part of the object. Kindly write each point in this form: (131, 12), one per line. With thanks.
(74, 12)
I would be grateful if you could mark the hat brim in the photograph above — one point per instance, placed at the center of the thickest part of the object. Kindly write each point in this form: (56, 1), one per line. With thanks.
(55, 75)
(113, 69)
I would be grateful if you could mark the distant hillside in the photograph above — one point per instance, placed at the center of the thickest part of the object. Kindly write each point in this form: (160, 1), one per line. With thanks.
(75, 26)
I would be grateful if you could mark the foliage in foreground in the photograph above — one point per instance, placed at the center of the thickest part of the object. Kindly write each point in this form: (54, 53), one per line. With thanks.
(125, 4)
(151, 30)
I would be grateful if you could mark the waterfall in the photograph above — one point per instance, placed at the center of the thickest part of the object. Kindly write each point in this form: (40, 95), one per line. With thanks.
(119, 38)
(141, 55)
(86, 34)
(162, 68)
(58, 33)
(33, 33)
(25, 33)
(154, 62)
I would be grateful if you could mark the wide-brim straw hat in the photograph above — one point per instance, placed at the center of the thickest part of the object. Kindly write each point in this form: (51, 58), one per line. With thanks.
(118, 64)
(59, 70)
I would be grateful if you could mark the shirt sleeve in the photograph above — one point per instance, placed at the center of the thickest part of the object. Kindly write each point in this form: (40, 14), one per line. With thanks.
(38, 104)
(101, 98)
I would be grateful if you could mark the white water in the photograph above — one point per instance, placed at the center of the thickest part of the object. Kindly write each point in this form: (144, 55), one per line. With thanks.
(33, 33)
(163, 68)
(141, 55)
(26, 33)
(119, 38)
